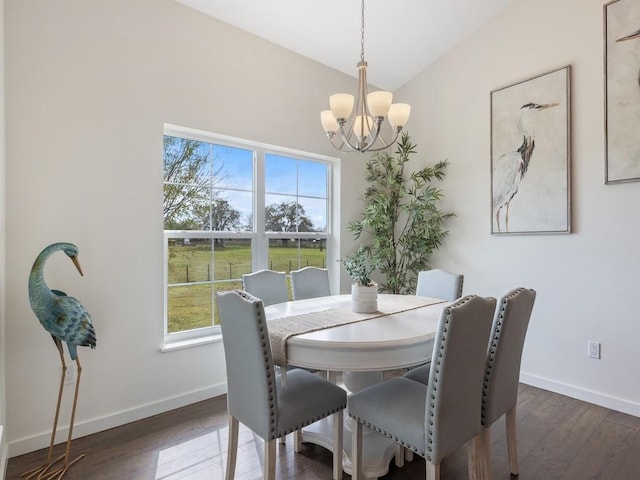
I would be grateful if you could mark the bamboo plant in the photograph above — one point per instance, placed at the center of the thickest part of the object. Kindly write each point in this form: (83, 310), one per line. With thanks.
(402, 216)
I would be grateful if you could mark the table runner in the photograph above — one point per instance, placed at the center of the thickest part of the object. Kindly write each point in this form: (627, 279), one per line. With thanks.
(281, 329)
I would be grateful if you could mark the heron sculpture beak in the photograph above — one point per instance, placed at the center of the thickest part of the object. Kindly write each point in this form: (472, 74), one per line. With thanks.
(629, 37)
(548, 105)
(77, 264)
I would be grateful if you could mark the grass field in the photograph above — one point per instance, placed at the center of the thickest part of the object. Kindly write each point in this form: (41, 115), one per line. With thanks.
(194, 277)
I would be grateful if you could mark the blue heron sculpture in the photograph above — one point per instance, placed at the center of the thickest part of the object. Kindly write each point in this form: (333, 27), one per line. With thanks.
(511, 167)
(66, 319)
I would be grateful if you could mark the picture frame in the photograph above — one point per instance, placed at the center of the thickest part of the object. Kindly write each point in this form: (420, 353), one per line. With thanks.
(530, 155)
(622, 91)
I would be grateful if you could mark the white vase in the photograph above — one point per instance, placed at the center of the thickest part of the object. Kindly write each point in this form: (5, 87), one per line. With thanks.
(364, 299)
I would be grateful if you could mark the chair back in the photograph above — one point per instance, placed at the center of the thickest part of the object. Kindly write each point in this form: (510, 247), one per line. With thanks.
(251, 382)
(455, 380)
(268, 285)
(310, 282)
(439, 283)
(502, 371)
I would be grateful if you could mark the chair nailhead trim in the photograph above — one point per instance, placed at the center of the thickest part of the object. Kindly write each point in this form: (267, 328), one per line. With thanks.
(257, 303)
(434, 379)
(274, 433)
(495, 335)
(388, 435)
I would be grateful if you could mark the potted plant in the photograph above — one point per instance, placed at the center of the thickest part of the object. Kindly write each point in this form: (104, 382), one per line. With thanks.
(402, 216)
(364, 291)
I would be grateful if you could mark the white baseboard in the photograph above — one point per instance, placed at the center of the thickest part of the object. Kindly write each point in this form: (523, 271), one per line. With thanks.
(116, 419)
(36, 442)
(590, 396)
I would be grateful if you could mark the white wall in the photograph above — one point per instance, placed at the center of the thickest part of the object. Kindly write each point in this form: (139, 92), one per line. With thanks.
(586, 281)
(89, 86)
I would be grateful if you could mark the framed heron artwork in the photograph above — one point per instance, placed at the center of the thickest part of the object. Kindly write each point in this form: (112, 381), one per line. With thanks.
(530, 155)
(622, 91)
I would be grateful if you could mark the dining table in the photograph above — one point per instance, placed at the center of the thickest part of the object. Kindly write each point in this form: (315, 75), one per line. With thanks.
(324, 334)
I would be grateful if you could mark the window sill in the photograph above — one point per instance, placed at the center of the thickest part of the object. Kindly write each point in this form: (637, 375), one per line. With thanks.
(193, 342)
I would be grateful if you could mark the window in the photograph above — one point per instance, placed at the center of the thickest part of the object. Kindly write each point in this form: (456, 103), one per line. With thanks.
(233, 207)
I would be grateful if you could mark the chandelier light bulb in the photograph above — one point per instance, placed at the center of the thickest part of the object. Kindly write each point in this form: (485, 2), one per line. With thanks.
(329, 123)
(362, 126)
(399, 114)
(341, 105)
(379, 103)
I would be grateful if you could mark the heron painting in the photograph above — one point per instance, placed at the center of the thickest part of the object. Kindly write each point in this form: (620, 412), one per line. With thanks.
(633, 36)
(510, 168)
(530, 155)
(622, 90)
(66, 320)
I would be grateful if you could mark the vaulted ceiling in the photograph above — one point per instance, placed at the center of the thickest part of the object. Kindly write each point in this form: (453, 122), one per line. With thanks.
(402, 37)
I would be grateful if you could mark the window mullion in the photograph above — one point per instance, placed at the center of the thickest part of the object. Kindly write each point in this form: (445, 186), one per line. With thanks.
(261, 248)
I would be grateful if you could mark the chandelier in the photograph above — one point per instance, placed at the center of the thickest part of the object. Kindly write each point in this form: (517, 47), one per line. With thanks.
(359, 128)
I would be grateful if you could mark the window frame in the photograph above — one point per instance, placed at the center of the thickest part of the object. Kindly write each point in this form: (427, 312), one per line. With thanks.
(258, 237)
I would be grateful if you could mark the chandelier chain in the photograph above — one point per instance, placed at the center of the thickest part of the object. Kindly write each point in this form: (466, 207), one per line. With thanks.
(362, 33)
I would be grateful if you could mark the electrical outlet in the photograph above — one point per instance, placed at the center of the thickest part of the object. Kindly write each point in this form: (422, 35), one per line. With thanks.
(593, 349)
(70, 375)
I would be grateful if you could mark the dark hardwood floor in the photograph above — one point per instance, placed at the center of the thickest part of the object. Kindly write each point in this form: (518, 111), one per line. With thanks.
(558, 438)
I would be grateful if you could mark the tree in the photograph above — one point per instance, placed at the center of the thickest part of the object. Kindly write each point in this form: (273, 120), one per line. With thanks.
(247, 225)
(218, 216)
(402, 216)
(287, 217)
(186, 178)
(223, 216)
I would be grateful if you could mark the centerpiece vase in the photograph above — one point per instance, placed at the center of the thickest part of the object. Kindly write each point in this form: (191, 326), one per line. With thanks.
(364, 299)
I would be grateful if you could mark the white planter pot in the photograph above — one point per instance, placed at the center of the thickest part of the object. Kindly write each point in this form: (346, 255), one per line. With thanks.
(364, 299)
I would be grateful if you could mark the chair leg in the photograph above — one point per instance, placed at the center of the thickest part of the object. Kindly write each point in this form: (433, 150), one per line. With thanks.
(408, 455)
(399, 455)
(297, 441)
(433, 471)
(478, 456)
(232, 448)
(512, 444)
(473, 459)
(270, 460)
(356, 452)
(485, 459)
(337, 445)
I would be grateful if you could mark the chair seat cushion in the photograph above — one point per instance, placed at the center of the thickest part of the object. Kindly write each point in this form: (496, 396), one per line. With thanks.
(306, 399)
(419, 374)
(395, 408)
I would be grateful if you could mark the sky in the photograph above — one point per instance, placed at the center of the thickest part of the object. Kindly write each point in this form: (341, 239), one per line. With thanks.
(286, 179)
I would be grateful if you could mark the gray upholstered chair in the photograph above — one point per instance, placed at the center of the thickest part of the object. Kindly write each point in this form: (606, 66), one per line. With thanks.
(310, 282)
(437, 283)
(502, 371)
(255, 395)
(435, 419)
(268, 285)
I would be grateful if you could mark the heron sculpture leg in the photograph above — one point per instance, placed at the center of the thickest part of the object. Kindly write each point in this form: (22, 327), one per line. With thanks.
(43, 471)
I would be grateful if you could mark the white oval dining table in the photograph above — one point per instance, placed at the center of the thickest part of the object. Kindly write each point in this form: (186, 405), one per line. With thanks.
(362, 350)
